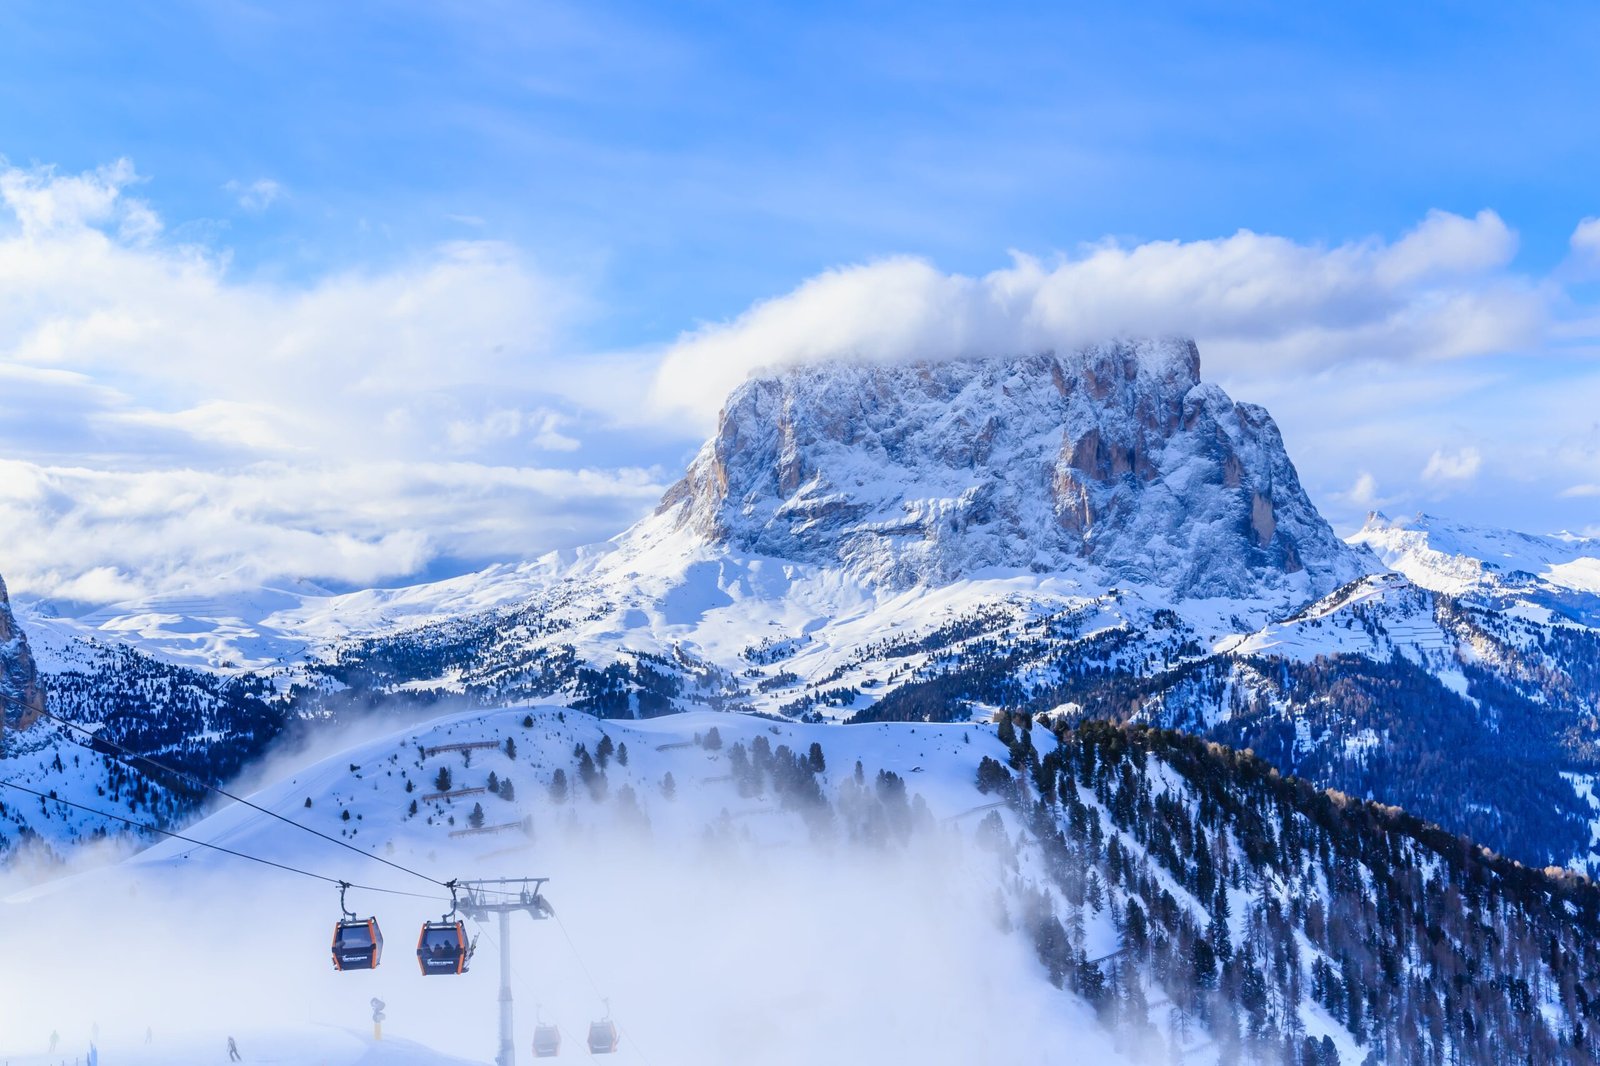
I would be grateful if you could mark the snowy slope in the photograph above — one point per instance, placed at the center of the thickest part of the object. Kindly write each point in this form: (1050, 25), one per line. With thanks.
(270, 628)
(1548, 577)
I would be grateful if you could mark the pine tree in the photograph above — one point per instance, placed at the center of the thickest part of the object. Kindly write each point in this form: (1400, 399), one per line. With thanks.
(1204, 962)
(669, 787)
(1090, 982)
(442, 780)
(558, 787)
(511, 747)
(1138, 931)
(475, 819)
(494, 782)
(622, 754)
(815, 760)
(713, 740)
(1050, 943)
(1219, 935)
(992, 776)
(604, 749)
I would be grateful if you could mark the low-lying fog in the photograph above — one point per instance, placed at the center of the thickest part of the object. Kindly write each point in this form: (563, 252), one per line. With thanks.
(747, 951)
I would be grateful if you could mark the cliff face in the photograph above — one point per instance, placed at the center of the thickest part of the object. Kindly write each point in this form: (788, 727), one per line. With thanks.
(19, 680)
(1114, 457)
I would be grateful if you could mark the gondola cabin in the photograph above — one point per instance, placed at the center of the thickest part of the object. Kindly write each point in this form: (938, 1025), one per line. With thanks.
(603, 1037)
(357, 944)
(443, 948)
(546, 1042)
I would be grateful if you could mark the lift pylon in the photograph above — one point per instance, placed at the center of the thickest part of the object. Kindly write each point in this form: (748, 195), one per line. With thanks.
(503, 897)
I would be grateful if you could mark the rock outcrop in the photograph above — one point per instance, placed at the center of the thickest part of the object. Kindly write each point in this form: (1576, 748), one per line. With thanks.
(19, 680)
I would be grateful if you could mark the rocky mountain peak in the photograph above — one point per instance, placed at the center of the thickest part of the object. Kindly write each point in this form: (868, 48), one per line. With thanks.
(19, 680)
(1113, 457)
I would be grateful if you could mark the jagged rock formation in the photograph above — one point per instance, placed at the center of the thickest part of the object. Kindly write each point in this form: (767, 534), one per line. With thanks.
(1115, 457)
(19, 680)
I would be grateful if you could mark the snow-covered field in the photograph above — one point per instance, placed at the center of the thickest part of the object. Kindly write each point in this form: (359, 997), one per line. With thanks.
(313, 1046)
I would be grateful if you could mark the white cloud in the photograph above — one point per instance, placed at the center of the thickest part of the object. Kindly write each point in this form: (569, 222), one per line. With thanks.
(539, 428)
(1363, 494)
(103, 535)
(1462, 465)
(357, 363)
(1441, 291)
(45, 204)
(165, 422)
(1585, 240)
(258, 195)
(1445, 245)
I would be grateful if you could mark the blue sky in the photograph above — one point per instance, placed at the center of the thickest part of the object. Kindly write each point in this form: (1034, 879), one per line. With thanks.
(622, 175)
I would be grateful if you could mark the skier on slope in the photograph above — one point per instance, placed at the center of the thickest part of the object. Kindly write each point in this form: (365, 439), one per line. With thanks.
(233, 1051)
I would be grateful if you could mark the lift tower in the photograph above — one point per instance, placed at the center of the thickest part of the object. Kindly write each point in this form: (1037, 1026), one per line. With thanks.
(502, 897)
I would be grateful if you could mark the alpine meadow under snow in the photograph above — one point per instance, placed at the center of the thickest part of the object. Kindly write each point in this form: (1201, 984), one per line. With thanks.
(1027, 695)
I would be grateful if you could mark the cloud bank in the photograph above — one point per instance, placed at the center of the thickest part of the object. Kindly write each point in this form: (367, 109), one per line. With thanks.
(1440, 292)
(166, 423)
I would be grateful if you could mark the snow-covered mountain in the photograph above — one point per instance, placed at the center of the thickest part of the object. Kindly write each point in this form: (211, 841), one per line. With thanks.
(1112, 460)
(1557, 574)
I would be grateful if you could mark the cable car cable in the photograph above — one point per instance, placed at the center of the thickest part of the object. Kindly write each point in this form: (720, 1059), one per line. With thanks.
(593, 985)
(94, 735)
(576, 954)
(205, 844)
